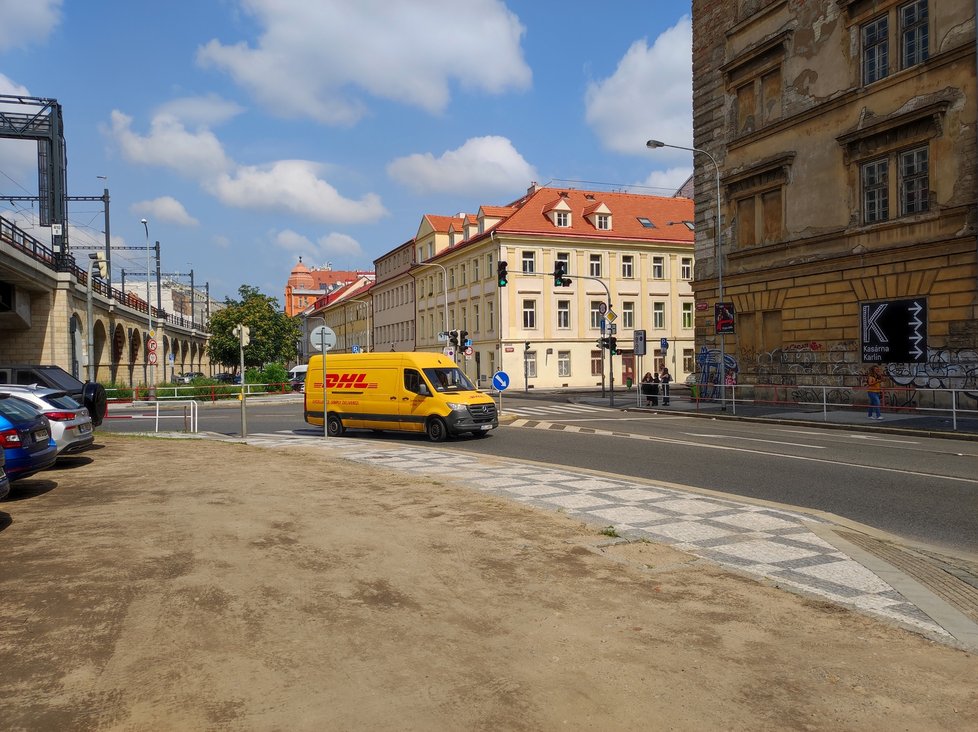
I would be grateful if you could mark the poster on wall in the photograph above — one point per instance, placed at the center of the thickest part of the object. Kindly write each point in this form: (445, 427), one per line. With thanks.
(723, 313)
(894, 331)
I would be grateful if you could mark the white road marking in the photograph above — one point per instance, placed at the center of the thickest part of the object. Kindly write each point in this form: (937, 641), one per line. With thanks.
(756, 439)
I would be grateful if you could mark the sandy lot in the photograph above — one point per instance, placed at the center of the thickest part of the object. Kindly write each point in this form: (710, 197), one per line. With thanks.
(191, 585)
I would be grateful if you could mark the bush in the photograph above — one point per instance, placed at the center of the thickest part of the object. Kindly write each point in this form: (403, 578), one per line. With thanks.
(275, 373)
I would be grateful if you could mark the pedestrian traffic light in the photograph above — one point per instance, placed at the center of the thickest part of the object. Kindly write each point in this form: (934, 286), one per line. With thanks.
(463, 336)
(243, 333)
(560, 274)
(613, 346)
(502, 276)
(602, 343)
(453, 338)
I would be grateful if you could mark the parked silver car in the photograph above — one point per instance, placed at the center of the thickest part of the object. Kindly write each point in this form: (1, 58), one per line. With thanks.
(71, 424)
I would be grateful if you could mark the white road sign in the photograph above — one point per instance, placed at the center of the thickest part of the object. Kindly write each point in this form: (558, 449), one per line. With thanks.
(322, 338)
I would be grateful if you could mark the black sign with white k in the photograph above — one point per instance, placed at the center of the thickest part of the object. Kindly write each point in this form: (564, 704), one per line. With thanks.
(894, 331)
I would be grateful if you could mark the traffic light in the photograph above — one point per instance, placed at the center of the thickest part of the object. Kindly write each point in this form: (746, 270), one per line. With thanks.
(463, 336)
(243, 332)
(502, 276)
(453, 338)
(613, 346)
(560, 269)
(102, 264)
(602, 343)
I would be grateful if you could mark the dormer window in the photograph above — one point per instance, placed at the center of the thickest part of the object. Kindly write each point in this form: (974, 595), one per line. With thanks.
(602, 221)
(562, 219)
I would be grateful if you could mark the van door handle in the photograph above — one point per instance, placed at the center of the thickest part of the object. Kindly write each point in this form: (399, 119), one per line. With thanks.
(393, 398)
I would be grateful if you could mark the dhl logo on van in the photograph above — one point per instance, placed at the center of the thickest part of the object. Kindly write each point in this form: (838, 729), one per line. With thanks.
(347, 381)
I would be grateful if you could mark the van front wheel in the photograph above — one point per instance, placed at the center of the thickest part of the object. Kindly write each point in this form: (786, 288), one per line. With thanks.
(436, 429)
(334, 425)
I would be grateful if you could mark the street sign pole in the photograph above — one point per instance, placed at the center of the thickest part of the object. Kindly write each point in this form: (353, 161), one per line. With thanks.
(322, 346)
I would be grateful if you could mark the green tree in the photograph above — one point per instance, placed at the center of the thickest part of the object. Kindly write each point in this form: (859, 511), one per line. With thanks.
(273, 334)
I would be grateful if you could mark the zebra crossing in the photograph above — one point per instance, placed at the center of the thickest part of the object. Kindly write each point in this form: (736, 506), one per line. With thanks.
(565, 410)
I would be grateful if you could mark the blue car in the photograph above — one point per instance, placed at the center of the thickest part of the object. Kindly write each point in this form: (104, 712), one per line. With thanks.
(4, 481)
(25, 436)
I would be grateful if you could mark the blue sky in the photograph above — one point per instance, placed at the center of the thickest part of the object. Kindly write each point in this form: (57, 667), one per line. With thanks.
(250, 132)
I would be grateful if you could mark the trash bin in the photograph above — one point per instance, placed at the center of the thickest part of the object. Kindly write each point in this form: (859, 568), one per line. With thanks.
(694, 391)
(628, 382)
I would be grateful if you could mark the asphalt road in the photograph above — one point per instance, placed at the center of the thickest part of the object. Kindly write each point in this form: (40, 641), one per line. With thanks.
(923, 489)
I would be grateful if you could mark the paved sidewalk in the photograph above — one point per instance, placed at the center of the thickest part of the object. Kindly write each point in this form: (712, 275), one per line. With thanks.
(798, 551)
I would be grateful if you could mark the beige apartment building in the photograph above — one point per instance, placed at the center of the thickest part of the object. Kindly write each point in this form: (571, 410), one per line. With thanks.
(627, 251)
(845, 135)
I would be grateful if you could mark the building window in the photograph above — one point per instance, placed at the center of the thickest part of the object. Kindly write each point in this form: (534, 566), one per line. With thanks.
(529, 314)
(876, 49)
(687, 315)
(659, 315)
(530, 359)
(686, 268)
(913, 28)
(562, 219)
(461, 270)
(451, 278)
(596, 316)
(491, 315)
(627, 266)
(594, 265)
(628, 315)
(596, 363)
(489, 264)
(646, 222)
(875, 196)
(689, 362)
(759, 218)
(563, 314)
(658, 268)
(529, 262)
(475, 270)
(565, 258)
(563, 363)
(602, 221)
(914, 181)
(475, 317)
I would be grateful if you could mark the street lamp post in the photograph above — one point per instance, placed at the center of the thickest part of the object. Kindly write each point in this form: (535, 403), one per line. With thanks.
(653, 144)
(149, 312)
(445, 276)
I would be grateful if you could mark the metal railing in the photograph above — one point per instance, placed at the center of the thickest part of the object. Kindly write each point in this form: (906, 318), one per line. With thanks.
(23, 242)
(955, 404)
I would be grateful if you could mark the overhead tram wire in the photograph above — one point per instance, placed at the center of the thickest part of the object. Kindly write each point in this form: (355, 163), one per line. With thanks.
(616, 186)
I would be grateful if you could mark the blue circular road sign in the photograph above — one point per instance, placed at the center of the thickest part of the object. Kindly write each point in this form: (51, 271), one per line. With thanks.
(500, 380)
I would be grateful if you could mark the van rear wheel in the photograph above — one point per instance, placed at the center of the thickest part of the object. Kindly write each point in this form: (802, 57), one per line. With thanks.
(436, 429)
(334, 425)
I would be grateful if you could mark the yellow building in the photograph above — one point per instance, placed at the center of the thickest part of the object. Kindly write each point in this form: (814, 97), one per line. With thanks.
(845, 134)
(630, 252)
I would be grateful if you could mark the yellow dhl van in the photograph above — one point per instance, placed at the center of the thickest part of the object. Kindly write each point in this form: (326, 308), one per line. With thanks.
(411, 392)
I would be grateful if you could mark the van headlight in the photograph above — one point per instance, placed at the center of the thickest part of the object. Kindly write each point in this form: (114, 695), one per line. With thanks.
(456, 407)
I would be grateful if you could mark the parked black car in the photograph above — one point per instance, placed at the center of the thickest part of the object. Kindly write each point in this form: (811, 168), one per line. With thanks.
(89, 393)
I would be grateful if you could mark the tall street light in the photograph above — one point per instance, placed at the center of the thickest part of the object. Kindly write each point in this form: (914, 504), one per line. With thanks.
(445, 280)
(149, 308)
(653, 144)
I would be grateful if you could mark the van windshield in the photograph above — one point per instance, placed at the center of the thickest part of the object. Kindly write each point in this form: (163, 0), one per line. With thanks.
(448, 379)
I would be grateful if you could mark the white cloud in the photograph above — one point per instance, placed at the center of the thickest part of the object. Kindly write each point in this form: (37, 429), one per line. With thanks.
(27, 21)
(482, 165)
(165, 209)
(293, 186)
(650, 95)
(321, 59)
(170, 145)
(206, 111)
(666, 182)
(221, 241)
(327, 248)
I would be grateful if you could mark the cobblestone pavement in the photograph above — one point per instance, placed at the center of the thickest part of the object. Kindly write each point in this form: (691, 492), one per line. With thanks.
(792, 550)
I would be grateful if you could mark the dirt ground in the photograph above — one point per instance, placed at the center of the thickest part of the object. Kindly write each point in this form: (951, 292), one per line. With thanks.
(193, 585)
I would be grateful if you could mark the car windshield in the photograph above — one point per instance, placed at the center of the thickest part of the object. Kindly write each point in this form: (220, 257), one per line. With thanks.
(448, 379)
(16, 410)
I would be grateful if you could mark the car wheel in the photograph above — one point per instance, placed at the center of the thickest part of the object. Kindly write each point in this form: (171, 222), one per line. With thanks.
(436, 429)
(334, 425)
(95, 401)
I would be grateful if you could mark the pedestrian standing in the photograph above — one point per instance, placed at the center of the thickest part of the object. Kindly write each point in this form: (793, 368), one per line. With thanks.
(664, 379)
(874, 390)
(647, 388)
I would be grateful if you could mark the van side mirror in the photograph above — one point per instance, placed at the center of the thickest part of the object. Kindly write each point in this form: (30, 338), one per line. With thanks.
(423, 390)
